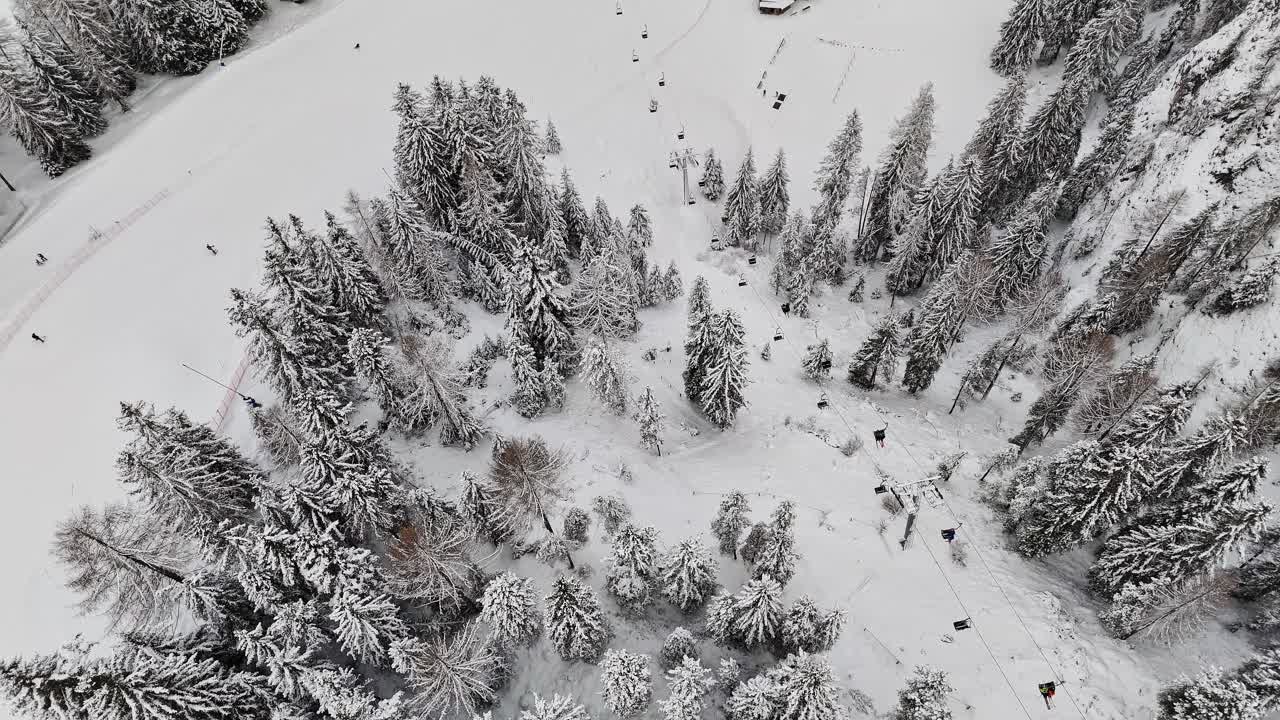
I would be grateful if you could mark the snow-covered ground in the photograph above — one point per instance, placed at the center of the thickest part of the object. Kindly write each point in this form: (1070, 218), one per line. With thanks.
(291, 126)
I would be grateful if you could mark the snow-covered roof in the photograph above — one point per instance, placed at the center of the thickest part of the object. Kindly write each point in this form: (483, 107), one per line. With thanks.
(776, 4)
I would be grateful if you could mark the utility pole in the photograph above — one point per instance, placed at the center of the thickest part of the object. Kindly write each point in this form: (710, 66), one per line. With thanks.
(683, 160)
(909, 495)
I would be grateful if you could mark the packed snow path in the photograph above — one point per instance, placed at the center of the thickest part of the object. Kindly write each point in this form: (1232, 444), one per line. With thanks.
(295, 124)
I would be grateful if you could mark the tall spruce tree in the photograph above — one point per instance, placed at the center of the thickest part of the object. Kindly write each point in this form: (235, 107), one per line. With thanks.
(46, 134)
(775, 199)
(1091, 173)
(1017, 257)
(649, 417)
(573, 215)
(1048, 144)
(177, 38)
(724, 369)
(878, 354)
(730, 520)
(1101, 40)
(1020, 33)
(964, 290)
(834, 181)
(742, 206)
(60, 77)
(537, 311)
(84, 30)
(712, 180)
(901, 171)
(422, 167)
(994, 142)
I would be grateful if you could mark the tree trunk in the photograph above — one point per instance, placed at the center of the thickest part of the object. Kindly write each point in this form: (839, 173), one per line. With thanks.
(1159, 226)
(963, 381)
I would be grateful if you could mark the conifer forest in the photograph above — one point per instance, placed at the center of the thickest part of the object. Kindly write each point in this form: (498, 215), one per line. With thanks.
(741, 360)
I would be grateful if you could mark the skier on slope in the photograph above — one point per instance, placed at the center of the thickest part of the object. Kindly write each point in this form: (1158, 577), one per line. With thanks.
(212, 250)
(41, 259)
(36, 337)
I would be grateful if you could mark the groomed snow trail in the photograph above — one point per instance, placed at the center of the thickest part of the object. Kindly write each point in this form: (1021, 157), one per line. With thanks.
(299, 122)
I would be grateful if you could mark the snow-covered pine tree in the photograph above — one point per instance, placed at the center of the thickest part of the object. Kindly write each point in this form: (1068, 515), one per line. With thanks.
(1190, 543)
(722, 368)
(1048, 144)
(531, 395)
(1158, 421)
(480, 510)
(604, 301)
(1178, 245)
(878, 354)
(834, 181)
(817, 361)
(1111, 400)
(1211, 695)
(529, 199)
(537, 311)
(925, 696)
(279, 359)
(368, 355)
(1092, 172)
(1063, 23)
(606, 375)
(422, 168)
(777, 555)
(712, 180)
(672, 285)
(805, 688)
(994, 142)
(687, 685)
(944, 225)
(755, 699)
(575, 624)
(1188, 459)
(44, 132)
(808, 628)
(633, 567)
(756, 613)
(176, 38)
(558, 707)
(60, 78)
(964, 290)
(573, 214)
(730, 520)
(741, 215)
(775, 199)
(625, 682)
(902, 170)
(511, 610)
(89, 38)
(1068, 373)
(1102, 39)
(1017, 257)
(639, 226)
(552, 139)
(680, 644)
(450, 673)
(791, 253)
(1090, 488)
(1251, 289)
(649, 417)
(1020, 33)
(439, 387)
(418, 271)
(345, 275)
(687, 575)
(910, 249)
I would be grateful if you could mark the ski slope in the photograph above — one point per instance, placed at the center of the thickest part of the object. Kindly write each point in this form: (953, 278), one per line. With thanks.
(292, 126)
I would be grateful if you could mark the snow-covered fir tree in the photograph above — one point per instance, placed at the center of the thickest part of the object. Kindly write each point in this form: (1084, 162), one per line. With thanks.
(282, 361)
(994, 139)
(604, 300)
(345, 274)
(558, 707)
(625, 682)
(480, 510)
(367, 350)
(573, 214)
(1251, 289)
(176, 38)
(511, 610)
(422, 167)
(964, 290)
(649, 417)
(639, 226)
(678, 645)
(1101, 41)
(60, 78)
(730, 520)
(817, 361)
(413, 254)
(85, 33)
(901, 171)
(529, 199)
(687, 686)
(1159, 420)
(925, 696)
(633, 567)
(1091, 173)
(753, 618)
(808, 628)
(1189, 459)
(45, 133)
(712, 180)
(1068, 373)
(438, 386)
(877, 356)
(575, 623)
(450, 673)
(944, 224)
(687, 575)
(552, 140)
(1017, 256)
(1020, 33)
(604, 372)
(1109, 402)
(911, 249)
(722, 368)
(741, 215)
(777, 556)
(1181, 242)
(672, 285)
(834, 180)
(1051, 138)
(805, 688)
(1211, 695)
(775, 199)
(537, 312)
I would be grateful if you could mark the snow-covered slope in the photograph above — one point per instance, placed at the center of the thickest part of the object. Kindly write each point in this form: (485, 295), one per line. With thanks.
(291, 127)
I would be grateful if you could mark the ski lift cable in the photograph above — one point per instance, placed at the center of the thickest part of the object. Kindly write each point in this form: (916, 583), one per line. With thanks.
(836, 408)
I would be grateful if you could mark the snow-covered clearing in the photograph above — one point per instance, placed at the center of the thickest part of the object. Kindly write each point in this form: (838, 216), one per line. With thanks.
(290, 127)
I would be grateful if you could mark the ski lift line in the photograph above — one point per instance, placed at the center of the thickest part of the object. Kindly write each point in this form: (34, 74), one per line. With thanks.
(950, 510)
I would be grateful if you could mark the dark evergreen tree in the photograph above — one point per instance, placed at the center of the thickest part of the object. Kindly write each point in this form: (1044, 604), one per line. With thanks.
(422, 166)
(1181, 242)
(902, 169)
(925, 696)
(994, 143)
(552, 140)
(59, 76)
(538, 312)
(712, 180)
(1093, 56)
(1158, 421)
(1251, 289)
(530, 202)
(45, 133)
(1213, 694)
(346, 276)
(279, 359)
(84, 30)
(958, 294)
(723, 369)
(1092, 172)
(1017, 257)
(412, 255)
(574, 218)
(947, 226)
(777, 556)
(835, 177)
(1068, 374)
(878, 354)
(1049, 142)
(575, 623)
(731, 519)
(1020, 33)
(742, 206)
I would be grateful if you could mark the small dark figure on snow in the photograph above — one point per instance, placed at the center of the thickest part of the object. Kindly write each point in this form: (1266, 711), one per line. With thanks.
(357, 47)
(1046, 691)
(36, 337)
(786, 308)
(212, 250)
(251, 402)
(879, 434)
(41, 259)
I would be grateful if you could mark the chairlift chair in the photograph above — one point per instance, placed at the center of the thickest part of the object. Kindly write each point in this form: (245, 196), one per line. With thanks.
(777, 334)
(662, 80)
(619, 8)
(751, 260)
(786, 308)
(715, 239)
(822, 401)
(634, 56)
(949, 534)
(692, 200)
(644, 31)
(653, 108)
(742, 282)
(964, 624)
(702, 183)
(672, 162)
